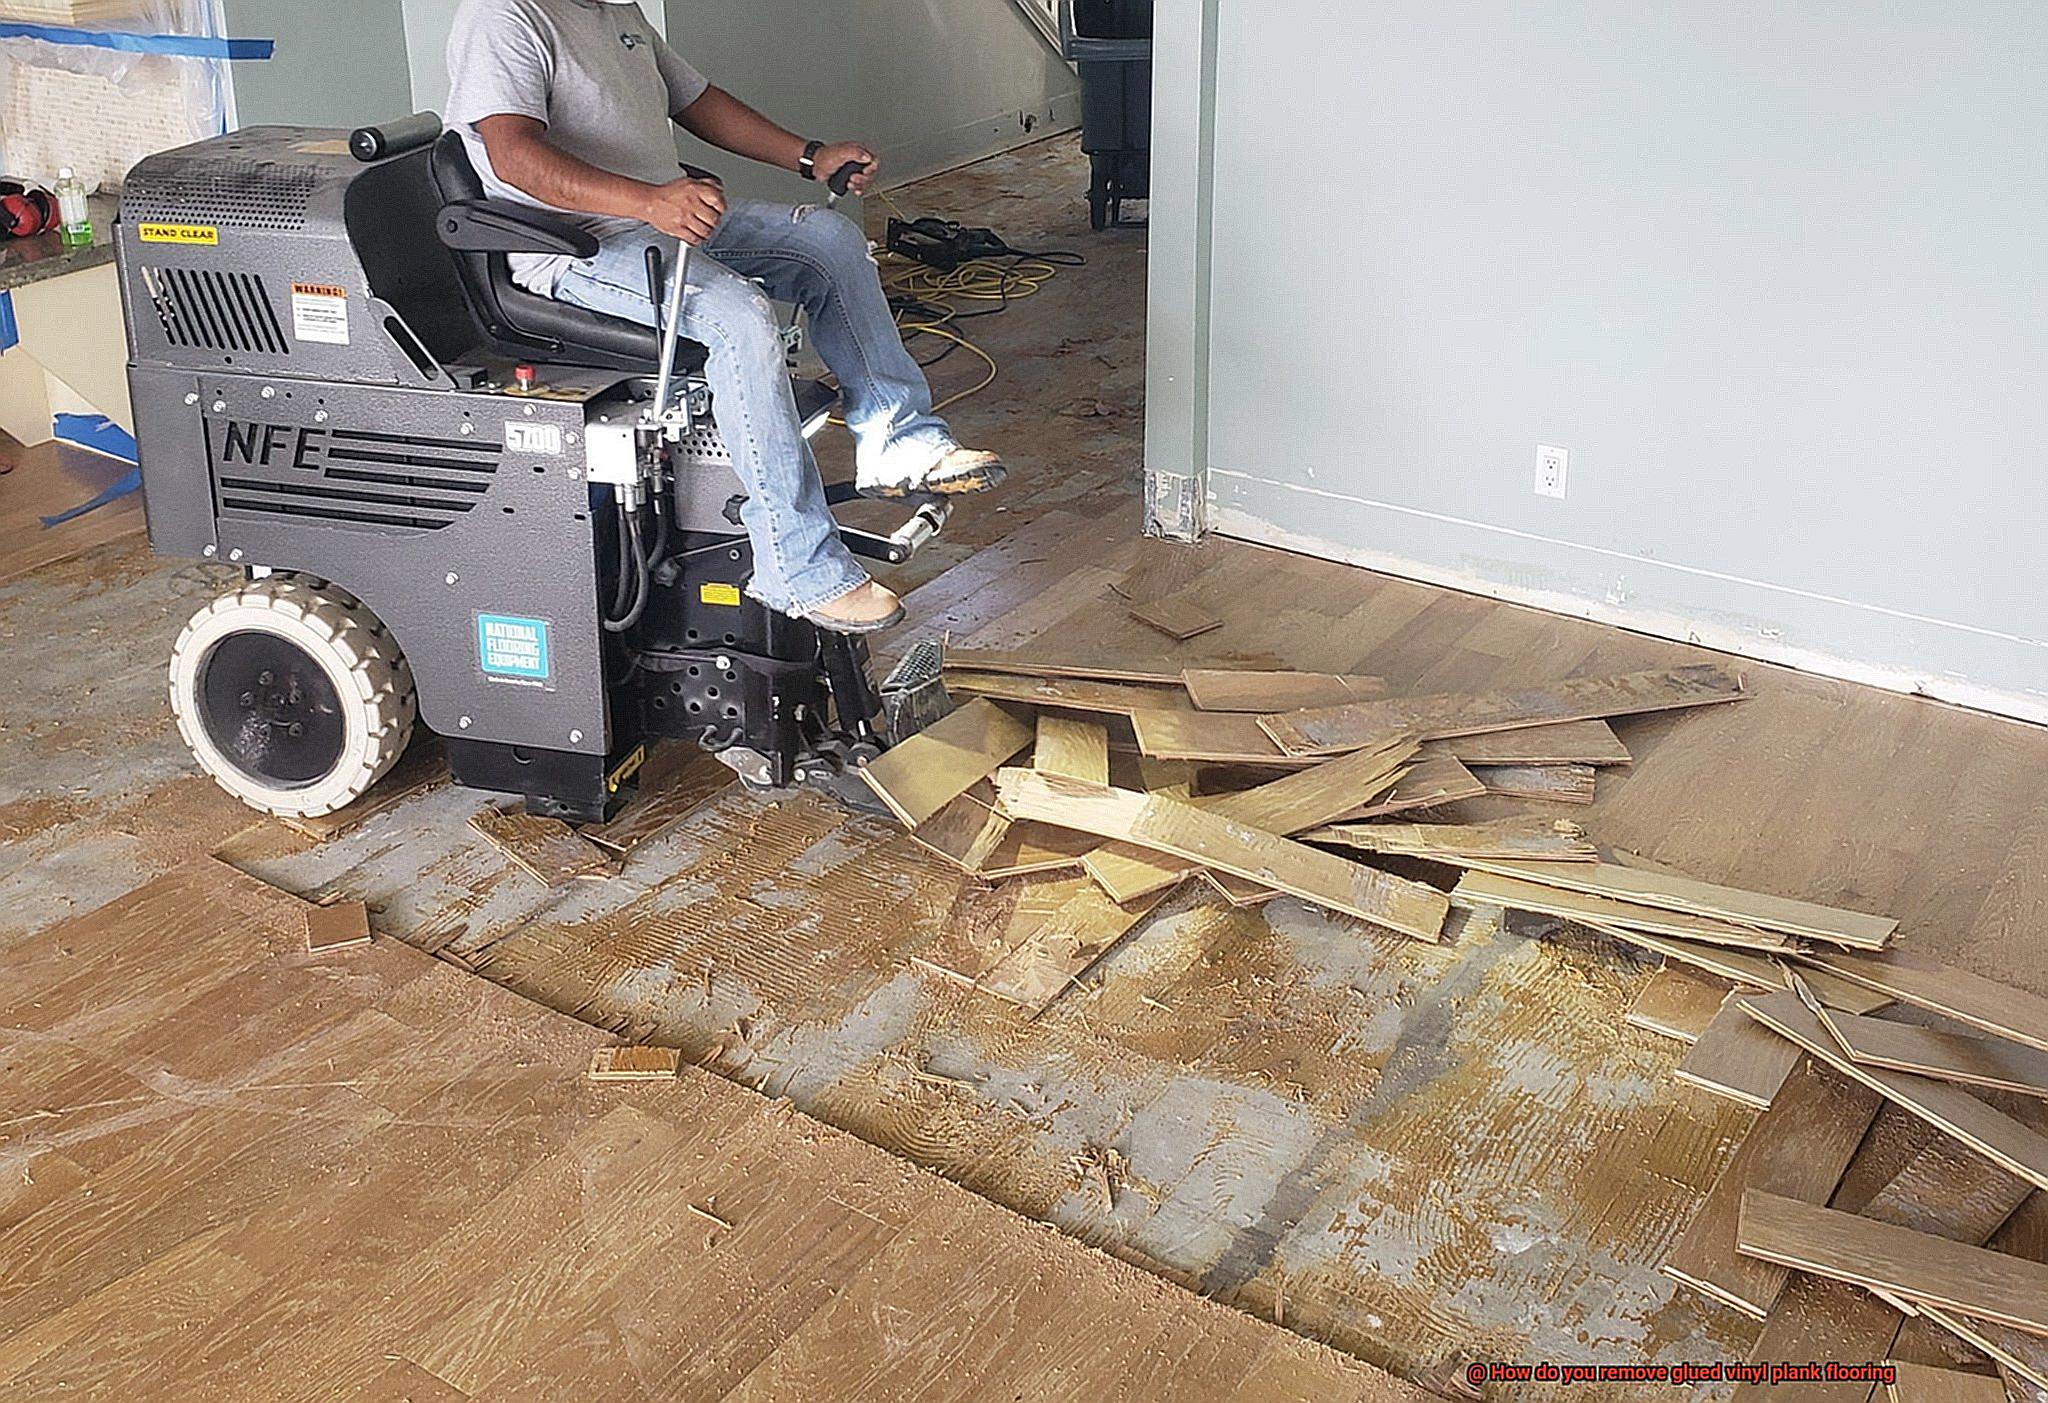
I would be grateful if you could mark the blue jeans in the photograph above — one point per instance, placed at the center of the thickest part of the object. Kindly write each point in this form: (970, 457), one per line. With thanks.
(819, 260)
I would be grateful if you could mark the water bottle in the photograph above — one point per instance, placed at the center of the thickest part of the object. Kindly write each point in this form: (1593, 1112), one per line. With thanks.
(74, 221)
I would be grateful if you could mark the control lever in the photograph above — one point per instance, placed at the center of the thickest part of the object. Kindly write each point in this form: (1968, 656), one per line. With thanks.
(670, 320)
(842, 181)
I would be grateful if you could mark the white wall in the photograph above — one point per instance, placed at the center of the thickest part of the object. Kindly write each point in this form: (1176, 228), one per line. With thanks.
(1775, 275)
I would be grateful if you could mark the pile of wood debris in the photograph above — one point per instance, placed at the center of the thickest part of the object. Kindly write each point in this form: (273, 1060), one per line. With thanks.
(1081, 796)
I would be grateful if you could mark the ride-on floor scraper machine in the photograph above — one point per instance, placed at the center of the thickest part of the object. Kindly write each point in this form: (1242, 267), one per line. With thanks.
(452, 501)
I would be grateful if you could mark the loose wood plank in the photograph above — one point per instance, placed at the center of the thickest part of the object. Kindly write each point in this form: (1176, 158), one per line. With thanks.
(1931, 1052)
(1739, 1058)
(1072, 747)
(1550, 784)
(1036, 664)
(1181, 830)
(1031, 848)
(967, 831)
(677, 779)
(1481, 886)
(1436, 778)
(1176, 616)
(545, 848)
(1076, 929)
(1285, 806)
(1218, 689)
(2014, 1147)
(1741, 967)
(1731, 904)
(1069, 694)
(636, 1063)
(1675, 1004)
(1966, 997)
(1209, 737)
(341, 926)
(945, 760)
(1562, 743)
(1237, 891)
(1322, 730)
(2024, 1354)
(1896, 1261)
(1514, 839)
(1923, 1383)
(1799, 1149)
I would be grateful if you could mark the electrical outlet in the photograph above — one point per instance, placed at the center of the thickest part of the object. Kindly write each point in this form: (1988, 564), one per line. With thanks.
(1553, 470)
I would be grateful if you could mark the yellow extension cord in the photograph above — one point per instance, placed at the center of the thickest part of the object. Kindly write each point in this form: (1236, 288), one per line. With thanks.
(978, 281)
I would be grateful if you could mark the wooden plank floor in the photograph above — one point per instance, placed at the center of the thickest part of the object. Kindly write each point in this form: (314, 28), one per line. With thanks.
(1417, 1154)
(234, 1169)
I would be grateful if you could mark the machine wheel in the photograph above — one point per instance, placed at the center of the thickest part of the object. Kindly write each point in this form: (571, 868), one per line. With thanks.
(292, 695)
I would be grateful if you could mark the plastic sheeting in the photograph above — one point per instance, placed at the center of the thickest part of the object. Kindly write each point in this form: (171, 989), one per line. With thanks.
(99, 105)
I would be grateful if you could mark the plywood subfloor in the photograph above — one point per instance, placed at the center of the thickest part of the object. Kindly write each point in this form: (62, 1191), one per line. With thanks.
(1416, 1153)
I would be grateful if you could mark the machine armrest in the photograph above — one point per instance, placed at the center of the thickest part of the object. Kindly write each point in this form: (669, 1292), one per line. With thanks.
(501, 226)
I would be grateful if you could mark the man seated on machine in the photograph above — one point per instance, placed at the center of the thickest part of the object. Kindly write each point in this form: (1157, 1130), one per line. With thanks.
(566, 104)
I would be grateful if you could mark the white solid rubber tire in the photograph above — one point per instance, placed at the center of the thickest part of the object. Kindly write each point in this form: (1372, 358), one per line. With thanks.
(359, 657)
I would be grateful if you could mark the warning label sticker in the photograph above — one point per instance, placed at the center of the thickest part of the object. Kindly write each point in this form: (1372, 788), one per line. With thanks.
(196, 234)
(320, 313)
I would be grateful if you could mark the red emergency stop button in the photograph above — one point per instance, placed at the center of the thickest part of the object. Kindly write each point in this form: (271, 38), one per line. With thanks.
(523, 378)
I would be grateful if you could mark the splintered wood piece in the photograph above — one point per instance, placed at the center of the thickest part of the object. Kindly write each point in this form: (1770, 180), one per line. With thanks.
(2024, 1354)
(1434, 779)
(338, 927)
(1923, 1383)
(1554, 784)
(1322, 730)
(676, 781)
(1730, 904)
(1915, 1266)
(1283, 806)
(1966, 997)
(1218, 689)
(2013, 1146)
(1176, 616)
(1930, 1052)
(945, 760)
(1798, 1148)
(1027, 849)
(546, 848)
(636, 1063)
(1034, 664)
(1078, 925)
(1559, 743)
(1739, 1058)
(967, 831)
(1181, 830)
(424, 766)
(1210, 737)
(1513, 839)
(1759, 971)
(1675, 1004)
(1072, 747)
(1237, 891)
(1483, 887)
(1069, 694)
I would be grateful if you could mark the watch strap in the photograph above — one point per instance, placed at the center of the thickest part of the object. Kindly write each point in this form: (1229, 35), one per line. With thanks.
(808, 162)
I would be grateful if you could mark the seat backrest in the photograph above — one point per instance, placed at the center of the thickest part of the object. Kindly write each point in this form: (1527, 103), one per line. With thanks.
(518, 323)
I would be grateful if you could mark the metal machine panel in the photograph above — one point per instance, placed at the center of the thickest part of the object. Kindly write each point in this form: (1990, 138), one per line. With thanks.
(462, 520)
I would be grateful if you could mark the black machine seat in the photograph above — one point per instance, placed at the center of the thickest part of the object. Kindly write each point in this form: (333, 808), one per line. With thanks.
(519, 324)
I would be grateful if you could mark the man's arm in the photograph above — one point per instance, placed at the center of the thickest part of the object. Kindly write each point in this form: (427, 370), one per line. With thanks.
(729, 124)
(520, 154)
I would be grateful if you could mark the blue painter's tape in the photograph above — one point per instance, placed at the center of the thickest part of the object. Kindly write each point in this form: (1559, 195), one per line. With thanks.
(172, 45)
(512, 647)
(10, 331)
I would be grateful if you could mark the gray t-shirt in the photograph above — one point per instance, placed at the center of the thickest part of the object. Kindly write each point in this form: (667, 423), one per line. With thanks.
(598, 74)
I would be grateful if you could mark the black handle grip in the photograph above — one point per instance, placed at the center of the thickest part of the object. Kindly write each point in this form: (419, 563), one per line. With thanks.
(842, 179)
(394, 138)
(654, 279)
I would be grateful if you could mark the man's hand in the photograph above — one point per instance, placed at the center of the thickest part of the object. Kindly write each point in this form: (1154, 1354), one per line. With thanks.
(688, 209)
(832, 157)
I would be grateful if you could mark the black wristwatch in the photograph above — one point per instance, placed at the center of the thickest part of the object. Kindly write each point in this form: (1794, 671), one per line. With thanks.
(808, 162)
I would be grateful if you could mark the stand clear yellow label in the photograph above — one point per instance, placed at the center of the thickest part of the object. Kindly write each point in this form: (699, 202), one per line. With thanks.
(205, 234)
(727, 595)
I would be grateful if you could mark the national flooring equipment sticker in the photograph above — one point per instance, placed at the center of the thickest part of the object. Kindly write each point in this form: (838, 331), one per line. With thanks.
(513, 650)
(320, 313)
